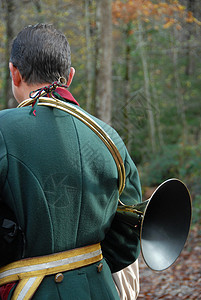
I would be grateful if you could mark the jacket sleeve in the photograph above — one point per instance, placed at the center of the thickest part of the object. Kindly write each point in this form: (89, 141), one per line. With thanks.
(3, 162)
(121, 246)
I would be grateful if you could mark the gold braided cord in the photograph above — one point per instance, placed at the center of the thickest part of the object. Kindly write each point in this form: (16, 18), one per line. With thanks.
(55, 103)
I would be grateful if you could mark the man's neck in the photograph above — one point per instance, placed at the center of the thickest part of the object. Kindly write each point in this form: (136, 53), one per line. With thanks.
(26, 89)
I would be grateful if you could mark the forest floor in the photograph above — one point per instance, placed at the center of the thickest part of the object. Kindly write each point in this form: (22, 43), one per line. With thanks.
(182, 280)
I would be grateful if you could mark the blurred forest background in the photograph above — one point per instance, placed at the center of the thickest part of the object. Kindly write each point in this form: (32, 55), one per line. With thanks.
(138, 67)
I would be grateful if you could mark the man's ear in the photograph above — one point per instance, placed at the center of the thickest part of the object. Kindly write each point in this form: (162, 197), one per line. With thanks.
(71, 75)
(16, 76)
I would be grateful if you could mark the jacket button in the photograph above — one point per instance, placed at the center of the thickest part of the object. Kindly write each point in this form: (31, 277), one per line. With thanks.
(99, 267)
(59, 277)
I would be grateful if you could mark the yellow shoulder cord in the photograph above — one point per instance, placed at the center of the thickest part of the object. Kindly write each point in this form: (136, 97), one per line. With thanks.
(55, 103)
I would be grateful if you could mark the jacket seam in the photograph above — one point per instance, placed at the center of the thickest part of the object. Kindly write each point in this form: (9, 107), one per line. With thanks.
(19, 160)
(6, 155)
(81, 165)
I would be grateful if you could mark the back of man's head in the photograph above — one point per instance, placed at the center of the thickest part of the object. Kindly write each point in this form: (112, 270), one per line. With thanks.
(41, 54)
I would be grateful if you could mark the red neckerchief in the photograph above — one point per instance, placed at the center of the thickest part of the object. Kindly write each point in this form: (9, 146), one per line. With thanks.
(64, 93)
(5, 290)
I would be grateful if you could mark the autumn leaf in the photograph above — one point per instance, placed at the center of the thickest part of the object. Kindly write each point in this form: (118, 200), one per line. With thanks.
(132, 11)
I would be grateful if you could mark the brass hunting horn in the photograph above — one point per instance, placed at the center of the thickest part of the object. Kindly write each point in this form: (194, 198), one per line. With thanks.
(162, 223)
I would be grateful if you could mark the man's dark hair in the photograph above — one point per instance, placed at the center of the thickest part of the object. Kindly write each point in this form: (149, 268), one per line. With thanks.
(41, 54)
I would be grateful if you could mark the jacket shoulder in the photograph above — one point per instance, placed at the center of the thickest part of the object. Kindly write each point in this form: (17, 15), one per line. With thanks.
(12, 113)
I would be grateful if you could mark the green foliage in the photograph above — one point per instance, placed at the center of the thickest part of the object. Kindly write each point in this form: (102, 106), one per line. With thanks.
(183, 161)
(196, 215)
(176, 161)
(161, 166)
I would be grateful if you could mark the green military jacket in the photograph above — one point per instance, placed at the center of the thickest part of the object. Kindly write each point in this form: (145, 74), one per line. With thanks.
(61, 182)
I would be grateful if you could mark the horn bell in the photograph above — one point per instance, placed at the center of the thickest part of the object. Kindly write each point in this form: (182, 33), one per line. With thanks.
(162, 223)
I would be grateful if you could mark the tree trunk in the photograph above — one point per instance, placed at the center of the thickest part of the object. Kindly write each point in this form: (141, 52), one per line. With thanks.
(127, 106)
(103, 92)
(179, 99)
(158, 123)
(89, 58)
(190, 29)
(147, 88)
(9, 10)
